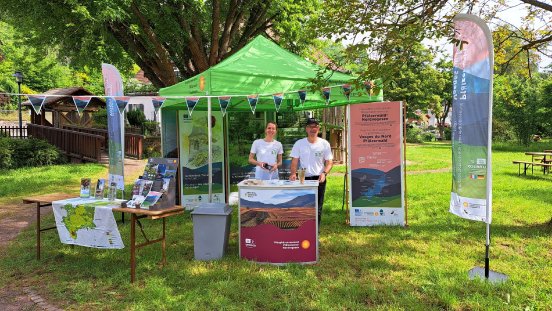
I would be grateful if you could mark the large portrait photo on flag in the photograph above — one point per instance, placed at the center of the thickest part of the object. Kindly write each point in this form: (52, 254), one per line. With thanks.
(376, 174)
(471, 119)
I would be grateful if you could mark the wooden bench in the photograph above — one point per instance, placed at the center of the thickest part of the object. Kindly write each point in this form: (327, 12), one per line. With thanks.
(526, 165)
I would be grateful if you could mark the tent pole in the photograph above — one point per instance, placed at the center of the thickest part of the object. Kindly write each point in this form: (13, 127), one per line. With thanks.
(209, 149)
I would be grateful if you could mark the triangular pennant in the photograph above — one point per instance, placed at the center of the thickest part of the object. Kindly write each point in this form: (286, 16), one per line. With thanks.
(157, 102)
(36, 102)
(81, 102)
(224, 102)
(278, 100)
(253, 99)
(191, 102)
(122, 102)
(326, 93)
(369, 86)
(347, 90)
(302, 96)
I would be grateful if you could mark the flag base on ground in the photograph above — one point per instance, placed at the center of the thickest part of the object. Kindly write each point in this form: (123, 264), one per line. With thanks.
(494, 277)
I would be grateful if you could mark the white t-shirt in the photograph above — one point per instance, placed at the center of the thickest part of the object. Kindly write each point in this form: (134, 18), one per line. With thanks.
(266, 152)
(312, 156)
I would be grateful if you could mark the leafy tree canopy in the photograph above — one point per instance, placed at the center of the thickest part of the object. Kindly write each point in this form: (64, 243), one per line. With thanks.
(159, 36)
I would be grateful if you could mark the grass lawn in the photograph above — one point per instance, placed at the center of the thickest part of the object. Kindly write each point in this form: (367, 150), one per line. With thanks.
(421, 267)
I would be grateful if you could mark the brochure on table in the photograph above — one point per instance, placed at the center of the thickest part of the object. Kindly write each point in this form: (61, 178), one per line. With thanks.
(156, 188)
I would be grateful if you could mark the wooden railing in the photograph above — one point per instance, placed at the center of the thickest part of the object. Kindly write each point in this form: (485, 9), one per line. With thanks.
(13, 131)
(75, 144)
(134, 143)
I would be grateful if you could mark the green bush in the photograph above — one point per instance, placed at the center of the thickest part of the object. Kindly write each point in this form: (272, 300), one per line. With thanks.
(428, 136)
(136, 117)
(414, 135)
(448, 133)
(5, 153)
(151, 128)
(100, 118)
(15, 153)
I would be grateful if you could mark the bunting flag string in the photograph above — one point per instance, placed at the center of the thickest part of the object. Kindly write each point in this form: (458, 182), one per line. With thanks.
(158, 102)
(326, 93)
(302, 96)
(191, 102)
(81, 102)
(369, 86)
(253, 99)
(224, 102)
(36, 102)
(278, 100)
(347, 90)
(122, 102)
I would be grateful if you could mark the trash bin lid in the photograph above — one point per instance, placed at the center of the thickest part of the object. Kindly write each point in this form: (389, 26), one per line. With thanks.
(212, 209)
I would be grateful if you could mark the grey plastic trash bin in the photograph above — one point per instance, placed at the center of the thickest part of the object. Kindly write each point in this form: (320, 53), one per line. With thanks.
(211, 229)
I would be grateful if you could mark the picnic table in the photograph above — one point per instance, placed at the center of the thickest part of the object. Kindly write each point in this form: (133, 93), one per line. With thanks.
(541, 159)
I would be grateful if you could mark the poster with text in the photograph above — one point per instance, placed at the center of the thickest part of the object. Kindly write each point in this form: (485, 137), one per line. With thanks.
(376, 175)
(193, 144)
(278, 225)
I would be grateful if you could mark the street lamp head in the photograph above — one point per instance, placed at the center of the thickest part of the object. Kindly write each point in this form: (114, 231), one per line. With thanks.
(18, 76)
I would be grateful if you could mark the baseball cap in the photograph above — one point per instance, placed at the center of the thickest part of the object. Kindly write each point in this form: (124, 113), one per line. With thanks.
(311, 121)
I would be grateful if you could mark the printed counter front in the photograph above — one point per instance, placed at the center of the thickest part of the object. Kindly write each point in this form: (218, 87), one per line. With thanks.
(278, 221)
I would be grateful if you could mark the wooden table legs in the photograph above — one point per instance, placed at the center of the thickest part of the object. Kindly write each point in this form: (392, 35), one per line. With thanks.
(133, 219)
(39, 229)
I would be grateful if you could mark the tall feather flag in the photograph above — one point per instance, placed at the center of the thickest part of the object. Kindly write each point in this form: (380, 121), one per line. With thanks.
(224, 102)
(369, 86)
(472, 99)
(37, 101)
(157, 102)
(81, 102)
(122, 102)
(278, 100)
(191, 102)
(346, 90)
(253, 99)
(326, 93)
(302, 96)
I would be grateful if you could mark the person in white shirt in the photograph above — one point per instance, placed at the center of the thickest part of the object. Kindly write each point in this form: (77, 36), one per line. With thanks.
(314, 155)
(268, 153)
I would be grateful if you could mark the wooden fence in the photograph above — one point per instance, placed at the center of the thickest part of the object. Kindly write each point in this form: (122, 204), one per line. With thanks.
(134, 143)
(75, 144)
(13, 131)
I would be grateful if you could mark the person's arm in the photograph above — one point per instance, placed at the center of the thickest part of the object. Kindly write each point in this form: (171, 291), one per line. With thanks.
(252, 160)
(328, 164)
(278, 163)
(293, 169)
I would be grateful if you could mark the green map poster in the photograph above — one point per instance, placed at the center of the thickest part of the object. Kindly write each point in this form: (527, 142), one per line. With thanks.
(194, 157)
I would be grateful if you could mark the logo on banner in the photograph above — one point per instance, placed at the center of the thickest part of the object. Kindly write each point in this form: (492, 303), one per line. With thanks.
(358, 212)
(305, 244)
(250, 243)
(201, 83)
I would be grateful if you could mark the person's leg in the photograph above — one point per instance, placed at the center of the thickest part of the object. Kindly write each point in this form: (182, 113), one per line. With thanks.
(321, 192)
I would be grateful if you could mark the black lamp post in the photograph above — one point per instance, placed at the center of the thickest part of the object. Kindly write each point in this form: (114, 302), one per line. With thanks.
(19, 79)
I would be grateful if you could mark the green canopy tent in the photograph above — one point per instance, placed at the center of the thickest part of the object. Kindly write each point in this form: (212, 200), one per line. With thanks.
(260, 68)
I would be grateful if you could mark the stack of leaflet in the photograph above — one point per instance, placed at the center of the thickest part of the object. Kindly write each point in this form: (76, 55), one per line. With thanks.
(156, 188)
